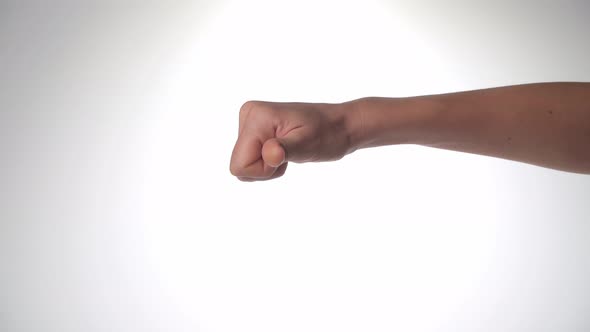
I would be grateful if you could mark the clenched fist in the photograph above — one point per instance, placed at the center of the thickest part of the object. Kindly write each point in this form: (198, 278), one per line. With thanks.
(272, 134)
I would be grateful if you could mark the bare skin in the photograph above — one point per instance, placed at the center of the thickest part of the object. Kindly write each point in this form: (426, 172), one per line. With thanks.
(544, 124)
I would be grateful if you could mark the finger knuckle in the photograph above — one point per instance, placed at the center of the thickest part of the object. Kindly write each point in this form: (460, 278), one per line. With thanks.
(236, 170)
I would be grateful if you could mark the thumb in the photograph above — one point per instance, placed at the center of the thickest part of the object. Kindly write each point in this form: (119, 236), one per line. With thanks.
(277, 151)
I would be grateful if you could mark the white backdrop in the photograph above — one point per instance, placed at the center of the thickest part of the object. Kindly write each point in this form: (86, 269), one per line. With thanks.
(118, 211)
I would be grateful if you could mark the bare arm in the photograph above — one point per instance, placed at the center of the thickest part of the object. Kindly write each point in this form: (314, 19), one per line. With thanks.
(546, 124)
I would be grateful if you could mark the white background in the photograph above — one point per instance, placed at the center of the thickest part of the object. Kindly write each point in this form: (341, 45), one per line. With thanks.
(118, 211)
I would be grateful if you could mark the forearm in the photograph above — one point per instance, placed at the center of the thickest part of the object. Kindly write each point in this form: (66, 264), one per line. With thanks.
(546, 124)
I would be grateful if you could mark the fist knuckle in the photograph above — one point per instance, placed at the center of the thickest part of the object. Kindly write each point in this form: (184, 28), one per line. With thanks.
(248, 106)
(255, 108)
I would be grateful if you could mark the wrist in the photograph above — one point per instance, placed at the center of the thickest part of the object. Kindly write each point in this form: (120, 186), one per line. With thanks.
(351, 117)
(376, 121)
(354, 119)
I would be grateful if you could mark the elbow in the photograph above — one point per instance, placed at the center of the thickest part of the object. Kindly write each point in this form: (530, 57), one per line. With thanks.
(585, 168)
(585, 155)
(572, 155)
(580, 159)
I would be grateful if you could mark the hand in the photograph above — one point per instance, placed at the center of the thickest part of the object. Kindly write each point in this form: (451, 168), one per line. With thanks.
(272, 134)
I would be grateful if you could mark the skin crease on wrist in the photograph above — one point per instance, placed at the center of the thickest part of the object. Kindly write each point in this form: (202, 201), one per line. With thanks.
(545, 124)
